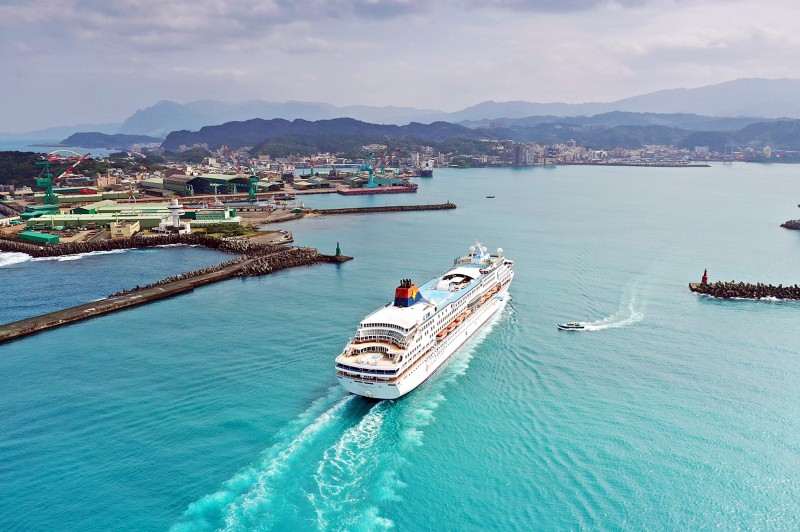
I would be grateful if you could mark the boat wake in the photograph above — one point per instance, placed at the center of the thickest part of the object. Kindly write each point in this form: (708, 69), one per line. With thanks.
(9, 258)
(244, 501)
(343, 472)
(628, 313)
(363, 469)
(335, 465)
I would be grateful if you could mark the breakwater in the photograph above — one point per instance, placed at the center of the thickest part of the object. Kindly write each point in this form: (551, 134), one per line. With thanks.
(242, 247)
(388, 208)
(254, 259)
(732, 289)
(9, 209)
(791, 224)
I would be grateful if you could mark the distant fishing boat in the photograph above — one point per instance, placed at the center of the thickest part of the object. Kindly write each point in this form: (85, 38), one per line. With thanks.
(571, 326)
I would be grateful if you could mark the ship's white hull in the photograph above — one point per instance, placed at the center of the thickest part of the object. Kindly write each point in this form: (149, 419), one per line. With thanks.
(438, 355)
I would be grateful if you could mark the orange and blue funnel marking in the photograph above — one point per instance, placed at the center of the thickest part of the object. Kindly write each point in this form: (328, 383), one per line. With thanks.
(406, 294)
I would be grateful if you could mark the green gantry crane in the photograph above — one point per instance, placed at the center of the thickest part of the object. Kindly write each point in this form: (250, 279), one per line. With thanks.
(45, 178)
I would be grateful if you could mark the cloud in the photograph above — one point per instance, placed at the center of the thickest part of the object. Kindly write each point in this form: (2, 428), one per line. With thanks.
(153, 25)
(550, 5)
(444, 54)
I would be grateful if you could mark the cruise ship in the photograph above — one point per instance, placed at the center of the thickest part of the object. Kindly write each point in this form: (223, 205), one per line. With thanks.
(397, 347)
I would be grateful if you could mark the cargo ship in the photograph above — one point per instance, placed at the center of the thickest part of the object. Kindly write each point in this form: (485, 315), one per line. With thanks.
(399, 346)
(426, 170)
(363, 191)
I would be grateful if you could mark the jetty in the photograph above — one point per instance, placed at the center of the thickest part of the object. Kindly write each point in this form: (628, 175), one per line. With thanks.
(253, 259)
(740, 290)
(388, 208)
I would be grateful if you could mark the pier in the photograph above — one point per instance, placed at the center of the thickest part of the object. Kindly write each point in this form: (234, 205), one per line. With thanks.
(255, 259)
(388, 208)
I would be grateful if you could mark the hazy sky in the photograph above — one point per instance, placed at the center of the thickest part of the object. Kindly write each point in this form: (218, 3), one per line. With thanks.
(93, 61)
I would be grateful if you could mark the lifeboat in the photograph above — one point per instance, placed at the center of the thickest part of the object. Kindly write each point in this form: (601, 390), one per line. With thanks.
(442, 334)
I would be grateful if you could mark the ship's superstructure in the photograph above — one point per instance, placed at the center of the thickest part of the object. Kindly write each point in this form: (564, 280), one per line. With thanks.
(397, 347)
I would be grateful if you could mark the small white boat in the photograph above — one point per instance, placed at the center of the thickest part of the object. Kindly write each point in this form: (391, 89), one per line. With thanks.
(571, 326)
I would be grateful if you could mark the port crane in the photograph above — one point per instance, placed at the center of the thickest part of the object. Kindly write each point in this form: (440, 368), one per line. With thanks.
(368, 166)
(253, 183)
(45, 178)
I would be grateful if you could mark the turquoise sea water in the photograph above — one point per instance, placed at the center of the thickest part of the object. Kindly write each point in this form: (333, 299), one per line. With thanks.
(219, 409)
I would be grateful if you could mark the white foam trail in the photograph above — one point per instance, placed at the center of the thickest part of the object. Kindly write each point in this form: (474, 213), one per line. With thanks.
(9, 258)
(79, 256)
(362, 469)
(250, 490)
(627, 314)
(341, 473)
(353, 475)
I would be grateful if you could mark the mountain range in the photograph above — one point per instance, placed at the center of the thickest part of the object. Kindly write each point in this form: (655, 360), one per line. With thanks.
(279, 137)
(747, 100)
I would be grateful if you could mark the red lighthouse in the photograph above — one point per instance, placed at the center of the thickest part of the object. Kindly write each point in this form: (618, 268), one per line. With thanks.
(705, 277)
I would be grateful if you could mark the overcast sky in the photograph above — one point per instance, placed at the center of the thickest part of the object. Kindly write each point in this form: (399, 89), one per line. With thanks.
(67, 62)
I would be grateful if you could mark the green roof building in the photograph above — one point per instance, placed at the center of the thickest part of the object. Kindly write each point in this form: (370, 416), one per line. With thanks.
(38, 238)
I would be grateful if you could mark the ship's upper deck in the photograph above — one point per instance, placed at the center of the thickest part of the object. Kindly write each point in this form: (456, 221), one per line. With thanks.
(466, 273)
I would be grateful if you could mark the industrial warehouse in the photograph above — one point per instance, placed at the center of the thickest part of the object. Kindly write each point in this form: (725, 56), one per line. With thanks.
(103, 213)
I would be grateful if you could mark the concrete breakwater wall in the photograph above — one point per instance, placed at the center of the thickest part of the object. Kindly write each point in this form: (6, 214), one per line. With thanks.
(388, 208)
(732, 289)
(242, 247)
(182, 277)
(287, 258)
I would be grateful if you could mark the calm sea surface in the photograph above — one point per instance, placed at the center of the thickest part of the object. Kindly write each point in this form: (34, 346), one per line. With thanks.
(219, 409)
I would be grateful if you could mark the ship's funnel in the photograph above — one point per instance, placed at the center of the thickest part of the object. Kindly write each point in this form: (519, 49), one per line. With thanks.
(406, 294)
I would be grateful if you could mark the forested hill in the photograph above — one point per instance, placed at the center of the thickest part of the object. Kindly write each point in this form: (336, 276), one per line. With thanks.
(18, 168)
(256, 131)
(102, 140)
(280, 137)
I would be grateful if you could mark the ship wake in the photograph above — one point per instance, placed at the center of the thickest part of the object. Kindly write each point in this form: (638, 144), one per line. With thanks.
(363, 470)
(628, 313)
(244, 500)
(335, 466)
